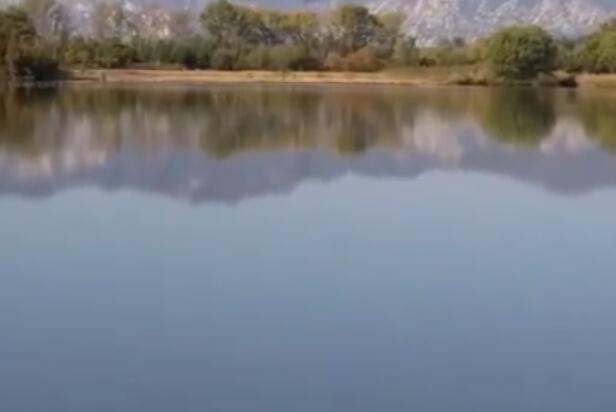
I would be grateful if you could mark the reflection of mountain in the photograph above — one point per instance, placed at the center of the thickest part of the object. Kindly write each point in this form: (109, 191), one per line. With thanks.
(228, 145)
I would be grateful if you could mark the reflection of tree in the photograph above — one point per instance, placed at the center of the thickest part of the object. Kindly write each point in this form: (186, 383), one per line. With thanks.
(352, 141)
(286, 120)
(598, 115)
(18, 119)
(237, 122)
(357, 122)
(516, 116)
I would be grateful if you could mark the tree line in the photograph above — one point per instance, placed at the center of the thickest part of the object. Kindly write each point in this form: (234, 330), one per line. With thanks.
(37, 38)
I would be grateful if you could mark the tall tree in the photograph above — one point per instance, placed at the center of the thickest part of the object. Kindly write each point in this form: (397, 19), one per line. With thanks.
(353, 27)
(225, 22)
(597, 52)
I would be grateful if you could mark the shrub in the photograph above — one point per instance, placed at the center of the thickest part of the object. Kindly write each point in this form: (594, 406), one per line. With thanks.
(256, 59)
(449, 56)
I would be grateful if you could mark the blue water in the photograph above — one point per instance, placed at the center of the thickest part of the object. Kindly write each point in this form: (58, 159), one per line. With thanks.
(451, 290)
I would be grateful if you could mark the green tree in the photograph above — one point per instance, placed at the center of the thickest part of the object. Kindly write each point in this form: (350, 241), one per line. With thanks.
(606, 53)
(597, 52)
(521, 52)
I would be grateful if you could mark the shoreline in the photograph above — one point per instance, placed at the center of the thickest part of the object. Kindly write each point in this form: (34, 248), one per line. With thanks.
(416, 77)
(195, 77)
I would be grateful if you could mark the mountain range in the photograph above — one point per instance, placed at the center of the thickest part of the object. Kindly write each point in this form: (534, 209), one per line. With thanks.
(429, 21)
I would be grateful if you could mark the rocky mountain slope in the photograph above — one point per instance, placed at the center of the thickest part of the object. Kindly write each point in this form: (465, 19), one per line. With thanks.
(433, 20)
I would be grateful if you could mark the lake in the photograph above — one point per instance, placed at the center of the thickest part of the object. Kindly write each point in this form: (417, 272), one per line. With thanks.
(263, 249)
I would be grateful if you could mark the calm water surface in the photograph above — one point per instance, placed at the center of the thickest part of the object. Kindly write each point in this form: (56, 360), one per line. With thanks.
(292, 249)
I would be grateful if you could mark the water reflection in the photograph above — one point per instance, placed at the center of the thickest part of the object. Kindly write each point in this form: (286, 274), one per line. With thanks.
(519, 117)
(230, 143)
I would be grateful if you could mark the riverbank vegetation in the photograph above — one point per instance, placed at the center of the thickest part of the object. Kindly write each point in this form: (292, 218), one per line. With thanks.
(37, 39)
